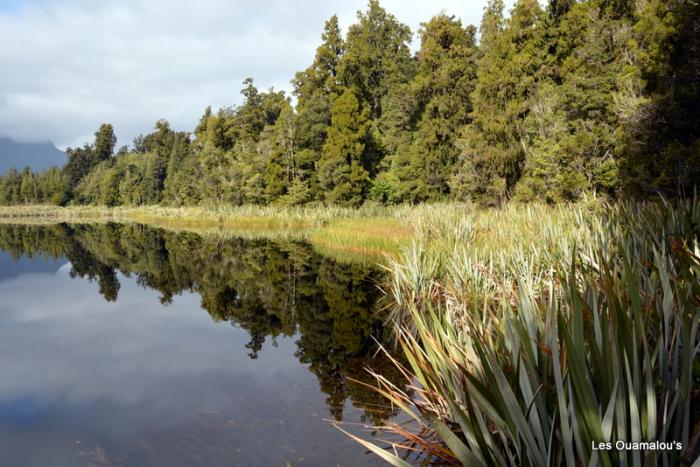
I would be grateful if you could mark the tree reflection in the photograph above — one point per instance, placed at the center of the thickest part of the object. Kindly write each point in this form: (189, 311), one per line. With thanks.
(270, 289)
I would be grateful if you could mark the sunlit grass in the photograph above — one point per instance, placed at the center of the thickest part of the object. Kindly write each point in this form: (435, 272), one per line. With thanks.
(370, 237)
(367, 235)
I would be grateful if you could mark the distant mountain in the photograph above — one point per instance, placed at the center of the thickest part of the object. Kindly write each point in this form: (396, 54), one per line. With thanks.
(11, 267)
(38, 156)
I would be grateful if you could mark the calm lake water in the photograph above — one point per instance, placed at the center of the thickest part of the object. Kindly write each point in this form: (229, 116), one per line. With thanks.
(125, 345)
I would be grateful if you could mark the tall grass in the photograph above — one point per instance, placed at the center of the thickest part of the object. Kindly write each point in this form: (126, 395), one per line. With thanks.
(534, 334)
(365, 235)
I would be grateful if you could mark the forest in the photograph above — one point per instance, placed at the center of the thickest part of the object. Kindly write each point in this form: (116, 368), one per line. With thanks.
(543, 103)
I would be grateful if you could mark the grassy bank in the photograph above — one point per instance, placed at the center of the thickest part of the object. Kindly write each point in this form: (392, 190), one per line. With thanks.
(365, 235)
(370, 233)
(533, 333)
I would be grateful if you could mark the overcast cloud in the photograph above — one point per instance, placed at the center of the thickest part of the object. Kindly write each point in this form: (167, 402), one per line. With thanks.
(69, 65)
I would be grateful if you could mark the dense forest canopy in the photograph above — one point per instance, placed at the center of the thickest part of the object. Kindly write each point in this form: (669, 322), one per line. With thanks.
(547, 104)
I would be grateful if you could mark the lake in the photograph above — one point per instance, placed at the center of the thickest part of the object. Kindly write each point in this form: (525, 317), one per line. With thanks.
(127, 345)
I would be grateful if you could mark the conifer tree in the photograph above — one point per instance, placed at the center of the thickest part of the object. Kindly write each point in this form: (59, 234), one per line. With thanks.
(441, 95)
(558, 8)
(28, 190)
(82, 160)
(201, 129)
(343, 178)
(376, 57)
(180, 179)
(286, 177)
(320, 78)
(493, 154)
(573, 128)
(105, 142)
(660, 129)
(315, 89)
(11, 187)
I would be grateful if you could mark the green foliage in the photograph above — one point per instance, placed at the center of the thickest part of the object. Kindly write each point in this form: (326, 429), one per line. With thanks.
(28, 187)
(320, 79)
(281, 166)
(440, 95)
(182, 174)
(660, 142)
(315, 89)
(82, 160)
(376, 57)
(509, 69)
(572, 127)
(586, 344)
(105, 141)
(553, 103)
(385, 189)
(343, 177)
(258, 111)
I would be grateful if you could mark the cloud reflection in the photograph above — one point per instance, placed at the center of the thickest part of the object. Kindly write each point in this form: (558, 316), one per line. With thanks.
(136, 373)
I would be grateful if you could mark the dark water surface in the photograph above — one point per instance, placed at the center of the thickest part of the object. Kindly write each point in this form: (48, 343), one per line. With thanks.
(124, 345)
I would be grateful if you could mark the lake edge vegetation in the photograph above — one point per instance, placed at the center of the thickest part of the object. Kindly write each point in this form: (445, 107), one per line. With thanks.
(370, 234)
(584, 330)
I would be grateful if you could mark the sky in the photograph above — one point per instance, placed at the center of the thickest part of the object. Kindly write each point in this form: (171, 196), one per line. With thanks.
(70, 65)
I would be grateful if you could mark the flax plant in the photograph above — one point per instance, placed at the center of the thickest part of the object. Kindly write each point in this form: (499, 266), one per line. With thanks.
(538, 354)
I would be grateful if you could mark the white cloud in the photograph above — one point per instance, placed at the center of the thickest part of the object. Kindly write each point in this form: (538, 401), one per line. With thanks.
(69, 65)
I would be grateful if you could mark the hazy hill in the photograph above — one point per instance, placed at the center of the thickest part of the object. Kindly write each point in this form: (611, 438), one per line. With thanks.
(38, 156)
(11, 267)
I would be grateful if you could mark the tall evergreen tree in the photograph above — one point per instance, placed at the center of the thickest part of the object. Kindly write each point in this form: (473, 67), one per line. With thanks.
(377, 56)
(573, 128)
(321, 76)
(259, 110)
(105, 142)
(315, 89)
(286, 176)
(558, 8)
(342, 176)
(660, 132)
(82, 160)
(11, 187)
(201, 128)
(29, 190)
(440, 93)
(493, 152)
(160, 145)
(180, 178)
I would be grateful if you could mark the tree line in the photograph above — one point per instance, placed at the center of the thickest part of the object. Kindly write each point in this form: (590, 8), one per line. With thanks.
(547, 103)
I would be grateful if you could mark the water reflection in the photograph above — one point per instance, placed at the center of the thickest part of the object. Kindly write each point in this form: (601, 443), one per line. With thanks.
(131, 383)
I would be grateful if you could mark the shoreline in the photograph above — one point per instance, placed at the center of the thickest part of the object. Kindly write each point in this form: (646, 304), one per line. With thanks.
(348, 235)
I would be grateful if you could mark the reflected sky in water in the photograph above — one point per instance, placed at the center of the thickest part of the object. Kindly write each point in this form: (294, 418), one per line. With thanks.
(86, 381)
